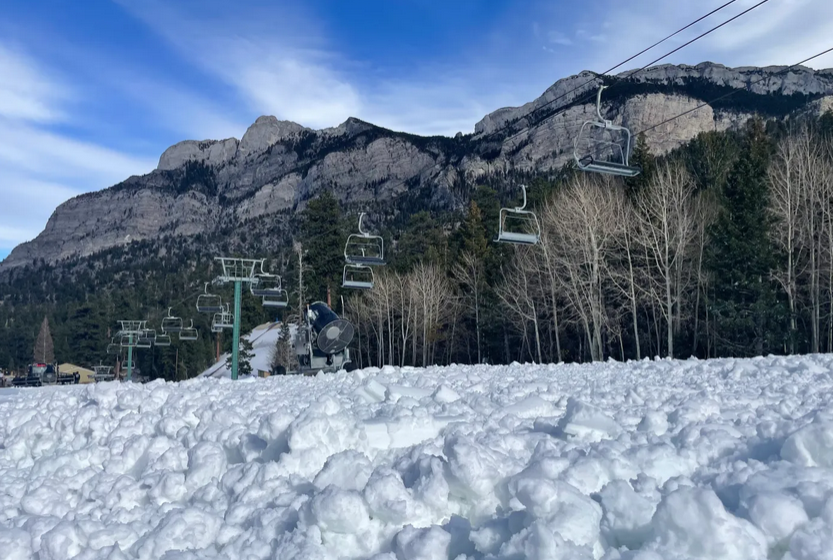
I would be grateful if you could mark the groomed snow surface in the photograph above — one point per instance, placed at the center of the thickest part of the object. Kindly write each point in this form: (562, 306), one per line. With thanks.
(646, 461)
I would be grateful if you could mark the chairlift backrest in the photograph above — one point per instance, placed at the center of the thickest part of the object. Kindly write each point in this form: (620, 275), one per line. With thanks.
(357, 277)
(209, 303)
(529, 235)
(171, 323)
(363, 248)
(603, 147)
(189, 333)
(279, 299)
(163, 340)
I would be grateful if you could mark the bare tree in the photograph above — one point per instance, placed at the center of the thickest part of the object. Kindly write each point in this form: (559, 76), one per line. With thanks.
(791, 204)
(666, 210)
(584, 221)
(515, 292)
(468, 271)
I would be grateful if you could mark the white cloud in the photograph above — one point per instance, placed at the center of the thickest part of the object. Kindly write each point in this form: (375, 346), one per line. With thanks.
(559, 38)
(40, 167)
(24, 93)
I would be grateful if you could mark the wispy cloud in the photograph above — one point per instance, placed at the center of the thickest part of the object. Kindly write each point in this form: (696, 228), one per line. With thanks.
(39, 166)
(294, 74)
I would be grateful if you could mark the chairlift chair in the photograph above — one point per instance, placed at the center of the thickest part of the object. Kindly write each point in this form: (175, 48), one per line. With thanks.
(265, 284)
(363, 248)
(357, 277)
(114, 348)
(149, 334)
(171, 323)
(279, 299)
(523, 228)
(143, 342)
(209, 303)
(223, 320)
(163, 340)
(603, 147)
(189, 333)
(127, 341)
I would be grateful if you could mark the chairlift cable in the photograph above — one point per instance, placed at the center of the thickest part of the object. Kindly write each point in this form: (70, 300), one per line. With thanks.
(724, 96)
(586, 98)
(640, 53)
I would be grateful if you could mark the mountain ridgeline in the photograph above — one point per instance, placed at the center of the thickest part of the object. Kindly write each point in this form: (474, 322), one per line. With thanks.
(202, 187)
(147, 243)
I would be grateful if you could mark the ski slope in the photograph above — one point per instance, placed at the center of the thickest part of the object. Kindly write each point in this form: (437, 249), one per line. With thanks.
(263, 339)
(729, 459)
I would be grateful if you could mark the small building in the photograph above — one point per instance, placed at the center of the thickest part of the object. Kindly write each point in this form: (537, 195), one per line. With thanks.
(87, 375)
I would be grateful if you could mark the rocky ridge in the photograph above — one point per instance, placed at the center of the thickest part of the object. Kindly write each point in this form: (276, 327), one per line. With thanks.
(278, 165)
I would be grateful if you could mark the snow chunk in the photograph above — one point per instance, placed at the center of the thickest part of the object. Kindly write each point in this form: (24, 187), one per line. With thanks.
(811, 446)
(692, 523)
(777, 515)
(587, 422)
(431, 543)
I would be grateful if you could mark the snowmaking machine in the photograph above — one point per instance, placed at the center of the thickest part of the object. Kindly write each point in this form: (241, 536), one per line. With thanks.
(321, 341)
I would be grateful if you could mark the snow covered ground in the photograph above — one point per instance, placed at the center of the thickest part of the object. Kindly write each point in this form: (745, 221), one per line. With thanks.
(654, 460)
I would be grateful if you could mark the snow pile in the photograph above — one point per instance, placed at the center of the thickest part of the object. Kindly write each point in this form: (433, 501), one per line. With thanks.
(671, 460)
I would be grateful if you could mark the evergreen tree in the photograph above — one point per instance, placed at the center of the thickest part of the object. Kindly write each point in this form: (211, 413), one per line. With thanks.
(641, 157)
(245, 354)
(283, 355)
(44, 348)
(323, 238)
(740, 255)
(422, 240)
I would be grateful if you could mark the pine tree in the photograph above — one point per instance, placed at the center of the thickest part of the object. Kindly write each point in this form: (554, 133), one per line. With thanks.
(474, 232)
(643, 158)
(422, 241)
(323, 238)
(283, 355)
(244, 357)
(44, 348)
(740, 255)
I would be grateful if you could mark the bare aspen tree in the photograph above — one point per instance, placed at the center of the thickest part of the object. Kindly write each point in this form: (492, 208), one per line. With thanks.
(791, 204)
(468, 272)
(584, 219)
(705, 215)
(406, 300)
(549, 249)
(666, 210)
(515, 292)
(626, 277)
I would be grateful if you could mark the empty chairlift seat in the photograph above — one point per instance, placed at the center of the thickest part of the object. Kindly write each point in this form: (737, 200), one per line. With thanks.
(518, 225)
(189, 333)
(171, 323)
(362, 251)
(603, 147)
(209, 303)
(357, 277)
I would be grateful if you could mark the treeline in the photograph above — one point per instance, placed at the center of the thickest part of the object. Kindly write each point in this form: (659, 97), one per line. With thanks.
(722, 248)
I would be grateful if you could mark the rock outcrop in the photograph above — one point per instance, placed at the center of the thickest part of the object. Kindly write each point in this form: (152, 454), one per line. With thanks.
(279, 165)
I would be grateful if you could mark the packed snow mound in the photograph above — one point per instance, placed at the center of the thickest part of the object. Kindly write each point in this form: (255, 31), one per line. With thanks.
(671, 460)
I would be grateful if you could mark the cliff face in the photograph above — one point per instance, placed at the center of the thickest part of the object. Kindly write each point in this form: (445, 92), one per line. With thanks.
(277, 166)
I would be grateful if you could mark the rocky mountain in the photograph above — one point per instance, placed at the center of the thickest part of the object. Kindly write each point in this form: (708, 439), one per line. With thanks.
(270, 173)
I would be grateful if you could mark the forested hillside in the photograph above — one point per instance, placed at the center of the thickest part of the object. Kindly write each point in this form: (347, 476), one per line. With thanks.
(724, 247)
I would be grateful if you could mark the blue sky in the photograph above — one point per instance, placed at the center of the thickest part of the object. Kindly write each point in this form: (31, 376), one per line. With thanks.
(93, 91)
